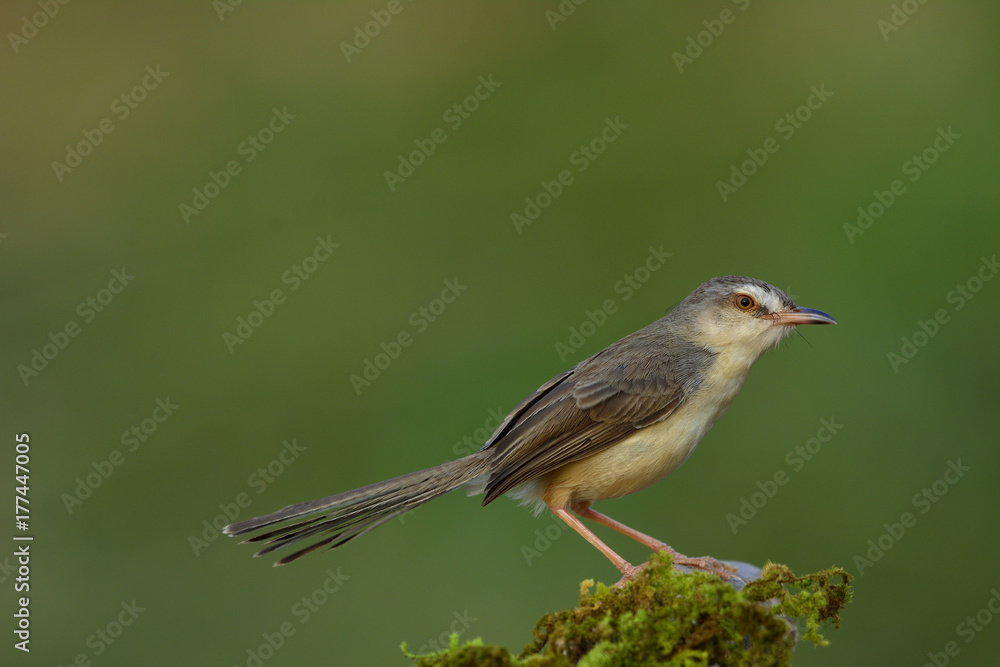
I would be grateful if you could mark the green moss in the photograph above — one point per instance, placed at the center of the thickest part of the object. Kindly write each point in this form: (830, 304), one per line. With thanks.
(664, 617)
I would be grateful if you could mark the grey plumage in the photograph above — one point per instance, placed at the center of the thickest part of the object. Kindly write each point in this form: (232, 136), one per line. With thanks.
(351, 514)
(633, 384)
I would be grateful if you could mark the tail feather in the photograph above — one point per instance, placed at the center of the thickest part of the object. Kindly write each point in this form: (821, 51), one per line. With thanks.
(349, 515)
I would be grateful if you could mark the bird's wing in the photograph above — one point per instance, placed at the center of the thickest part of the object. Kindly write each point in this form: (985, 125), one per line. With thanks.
(580, 413)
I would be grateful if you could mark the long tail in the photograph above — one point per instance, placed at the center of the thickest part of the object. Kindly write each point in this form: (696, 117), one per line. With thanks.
(351, 514)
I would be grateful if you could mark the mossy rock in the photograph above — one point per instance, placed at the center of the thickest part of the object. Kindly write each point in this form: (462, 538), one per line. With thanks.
(666, 617)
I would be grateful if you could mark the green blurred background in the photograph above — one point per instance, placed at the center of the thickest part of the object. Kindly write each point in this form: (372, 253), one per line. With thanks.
(453, 564)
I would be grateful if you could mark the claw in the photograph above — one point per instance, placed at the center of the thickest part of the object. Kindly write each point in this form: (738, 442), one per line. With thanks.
(707, 564)
(628, 574)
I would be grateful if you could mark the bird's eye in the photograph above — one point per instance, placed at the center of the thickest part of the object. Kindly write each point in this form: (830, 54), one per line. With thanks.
(745, 302)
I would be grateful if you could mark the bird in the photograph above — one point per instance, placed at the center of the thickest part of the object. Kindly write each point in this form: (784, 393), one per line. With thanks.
(612, 425)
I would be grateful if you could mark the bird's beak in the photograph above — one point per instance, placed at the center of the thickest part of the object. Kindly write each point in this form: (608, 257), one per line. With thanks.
(797, 315)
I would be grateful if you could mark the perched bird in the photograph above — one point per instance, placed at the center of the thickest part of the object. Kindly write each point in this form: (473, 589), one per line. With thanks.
(610, 426)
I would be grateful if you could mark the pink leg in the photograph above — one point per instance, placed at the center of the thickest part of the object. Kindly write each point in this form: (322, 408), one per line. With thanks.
(627, 569)
(704, 563)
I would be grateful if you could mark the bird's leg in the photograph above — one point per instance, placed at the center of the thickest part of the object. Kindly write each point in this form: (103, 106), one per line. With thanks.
(627, 569)
(703, 563)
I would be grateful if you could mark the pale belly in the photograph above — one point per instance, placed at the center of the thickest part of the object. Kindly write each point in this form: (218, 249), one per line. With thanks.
(639, 460)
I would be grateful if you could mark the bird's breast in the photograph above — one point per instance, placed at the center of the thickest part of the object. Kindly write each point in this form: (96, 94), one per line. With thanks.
(648, 455)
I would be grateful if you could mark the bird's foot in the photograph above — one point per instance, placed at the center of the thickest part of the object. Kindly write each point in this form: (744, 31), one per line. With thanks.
(628, 574)
(705, 563)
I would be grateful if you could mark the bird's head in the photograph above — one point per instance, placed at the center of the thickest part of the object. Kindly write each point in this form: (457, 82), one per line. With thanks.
(742, 316)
